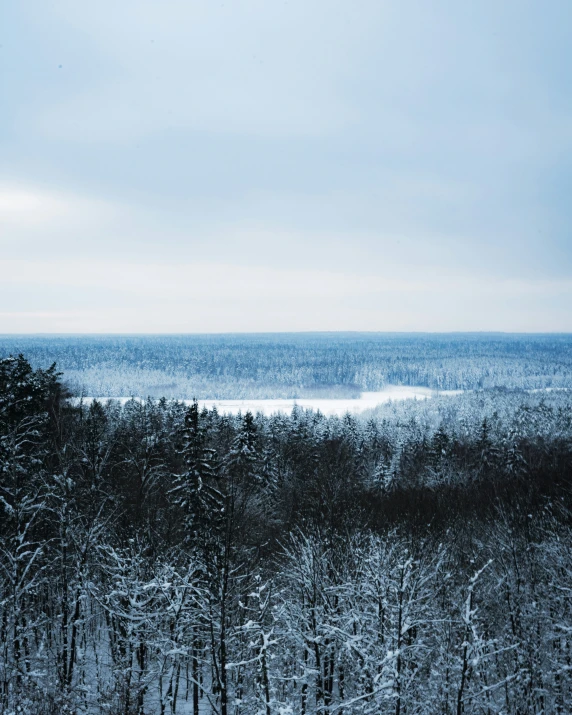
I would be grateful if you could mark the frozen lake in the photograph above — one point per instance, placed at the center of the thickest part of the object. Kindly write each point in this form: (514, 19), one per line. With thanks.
(367, 401)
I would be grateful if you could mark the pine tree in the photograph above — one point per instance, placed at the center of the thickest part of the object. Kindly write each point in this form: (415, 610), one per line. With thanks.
(243, 462)
(196, 490)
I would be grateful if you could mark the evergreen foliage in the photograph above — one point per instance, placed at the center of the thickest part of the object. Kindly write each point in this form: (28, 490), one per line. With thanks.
(156, 558)
(297, 365)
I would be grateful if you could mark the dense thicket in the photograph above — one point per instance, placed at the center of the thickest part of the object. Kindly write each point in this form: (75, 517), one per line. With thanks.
(155, 558)
(297, 365)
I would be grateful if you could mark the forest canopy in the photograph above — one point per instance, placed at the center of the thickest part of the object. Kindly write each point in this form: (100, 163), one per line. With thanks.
(159, 558)
(295, 365)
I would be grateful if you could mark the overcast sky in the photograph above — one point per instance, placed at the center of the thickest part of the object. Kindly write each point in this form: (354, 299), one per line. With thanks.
(236, 165)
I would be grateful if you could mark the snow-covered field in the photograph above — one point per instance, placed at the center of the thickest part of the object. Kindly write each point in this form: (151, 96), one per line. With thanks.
(367, 401)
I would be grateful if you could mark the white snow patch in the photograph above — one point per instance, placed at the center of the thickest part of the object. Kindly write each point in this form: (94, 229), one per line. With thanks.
(367, 401)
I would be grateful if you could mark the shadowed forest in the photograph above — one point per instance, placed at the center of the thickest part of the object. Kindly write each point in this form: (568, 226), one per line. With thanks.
(159, 559)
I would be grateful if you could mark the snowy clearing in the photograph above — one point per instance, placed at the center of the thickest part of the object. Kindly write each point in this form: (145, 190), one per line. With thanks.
(367, 401)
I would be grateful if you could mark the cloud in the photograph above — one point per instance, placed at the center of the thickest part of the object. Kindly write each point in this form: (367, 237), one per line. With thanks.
(369, 165)
(28, 206)
(24, 206)
(245, 67)
(206, 297)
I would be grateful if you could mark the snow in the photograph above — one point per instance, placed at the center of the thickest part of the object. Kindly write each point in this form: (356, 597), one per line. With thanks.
(367, 401)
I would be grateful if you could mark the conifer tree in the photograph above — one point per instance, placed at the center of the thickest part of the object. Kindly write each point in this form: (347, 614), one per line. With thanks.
(196, 489)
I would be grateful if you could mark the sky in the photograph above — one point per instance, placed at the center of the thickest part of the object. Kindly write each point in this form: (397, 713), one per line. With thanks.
(268, 165)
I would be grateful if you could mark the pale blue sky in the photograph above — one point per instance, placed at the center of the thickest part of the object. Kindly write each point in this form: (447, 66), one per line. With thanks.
(303, 165)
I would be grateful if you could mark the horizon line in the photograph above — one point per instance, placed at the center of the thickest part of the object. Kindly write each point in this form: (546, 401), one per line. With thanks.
(284, 332)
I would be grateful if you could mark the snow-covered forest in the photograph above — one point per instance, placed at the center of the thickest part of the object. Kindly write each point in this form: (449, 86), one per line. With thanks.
(158, 559)
(294, 365)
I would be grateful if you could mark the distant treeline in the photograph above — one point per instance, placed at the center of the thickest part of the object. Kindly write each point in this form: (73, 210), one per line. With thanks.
(297, 365)
(156, 558)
